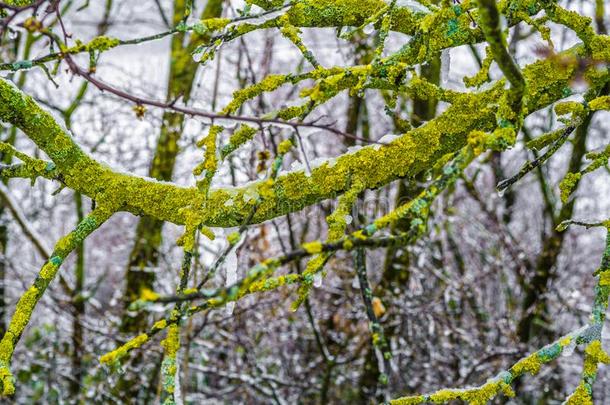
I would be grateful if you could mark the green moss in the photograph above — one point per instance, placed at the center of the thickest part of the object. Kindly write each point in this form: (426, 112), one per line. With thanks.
(604, 278)
(482, 75)
(568, 184)
(210, 160)
(171, 344)
(600, 103)
(6, 377)
(414, 400)
(332, 13)
(580, 24)
(570, 107)
(530, 364)
(285, 146)
(159, 325)
(210, 25)
(233, 238)
(313, 247)
(581, 396)
(49, 270)
(243, 134)
(600, 48)
(146, 294)
(595, 354)
(116, 355)
(273, 283)
(97, 44)
(270, 83)
(18, 3)
(102, 43)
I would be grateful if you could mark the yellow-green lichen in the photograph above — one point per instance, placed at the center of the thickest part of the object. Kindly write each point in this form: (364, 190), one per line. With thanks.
(581, 396)
(49, 270)
(268, 84)
(530, 364)
(600, 103)
(233, 238)
(116, 355)
(6, 377)
(209, 143)
(600, 48)
(19, 3)
(210, 25)
(273, 283)
(210, 160)
(545, 140)
(421, 147)
(293, 33)
(568, 184)
(161, 324)
(313, 247)
(570, 107)
(146, 294)
(21, 316)
(207, 232)
(99, 44)
(482, 76)
(337, 221)
(171, 343)
(594, 354)
(285, 146)
(242, 135)
(414, 400)
(20, 319)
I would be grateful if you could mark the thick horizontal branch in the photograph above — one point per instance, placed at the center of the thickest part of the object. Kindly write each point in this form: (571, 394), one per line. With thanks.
(548, 81)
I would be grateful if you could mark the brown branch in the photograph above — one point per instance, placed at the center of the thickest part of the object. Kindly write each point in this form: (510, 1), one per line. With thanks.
(77, 70)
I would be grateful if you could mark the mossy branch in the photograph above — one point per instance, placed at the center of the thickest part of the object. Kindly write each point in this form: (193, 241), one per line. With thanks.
(27, 302)
(464, 126)
(589, 335)
(501, 383)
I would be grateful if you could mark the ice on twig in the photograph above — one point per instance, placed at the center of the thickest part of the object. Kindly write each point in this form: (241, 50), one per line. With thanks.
(317, 280)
